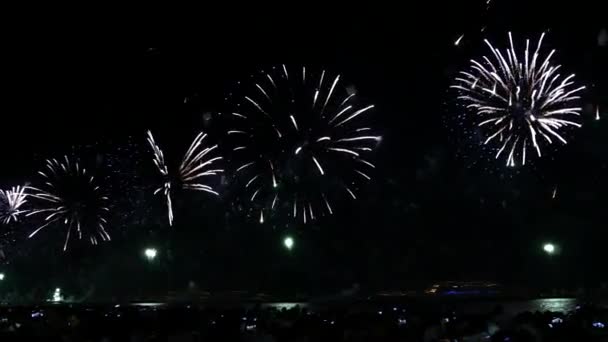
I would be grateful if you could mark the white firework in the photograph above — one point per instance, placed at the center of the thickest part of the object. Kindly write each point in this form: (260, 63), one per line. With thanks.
(193, 170)
(519, 101)
(11, 202)
(70, 195)
(300, 138)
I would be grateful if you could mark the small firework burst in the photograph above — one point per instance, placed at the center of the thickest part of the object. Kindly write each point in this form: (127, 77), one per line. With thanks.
(301, 140)
(70, 195)
(519, 102)
(193, 170)
(11, 202)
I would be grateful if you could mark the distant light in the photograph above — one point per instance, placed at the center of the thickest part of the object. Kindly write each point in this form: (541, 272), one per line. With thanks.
(150, 253)
(549, 248)
(57, 295)
(288, 242)
(1, 276)
(599, 325)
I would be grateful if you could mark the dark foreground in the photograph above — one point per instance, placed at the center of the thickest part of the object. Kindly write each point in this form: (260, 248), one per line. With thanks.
(386, 323)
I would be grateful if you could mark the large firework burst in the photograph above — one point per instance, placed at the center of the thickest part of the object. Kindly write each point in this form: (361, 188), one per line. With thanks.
(190, 174)
(301, 140)
(519, 101)
(11, 202)
(70, 196)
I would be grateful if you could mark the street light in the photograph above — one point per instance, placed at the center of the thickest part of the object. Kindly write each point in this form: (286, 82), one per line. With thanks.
(1, 276)
(288, 242)
(150, 253)
(549, 248)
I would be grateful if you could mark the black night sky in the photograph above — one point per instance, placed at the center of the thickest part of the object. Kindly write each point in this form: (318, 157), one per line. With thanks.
(435, 210)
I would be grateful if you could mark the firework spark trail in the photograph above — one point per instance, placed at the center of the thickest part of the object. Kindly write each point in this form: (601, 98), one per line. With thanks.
(516, 99)
(343, 150)
(318, 165)
(318, 124)
(191, 172)
(327, 204)
(554, 194)
(159, 161)
(457, 42)
(71, 196)
(274, 178)
(11, 202)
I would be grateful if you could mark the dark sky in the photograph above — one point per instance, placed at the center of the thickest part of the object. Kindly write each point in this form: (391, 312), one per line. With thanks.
(435, 209)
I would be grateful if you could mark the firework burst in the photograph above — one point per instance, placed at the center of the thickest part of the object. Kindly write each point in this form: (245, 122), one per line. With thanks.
(520, 103)
(69, 195)
(11, 202)
(300, 139)
(193, 170)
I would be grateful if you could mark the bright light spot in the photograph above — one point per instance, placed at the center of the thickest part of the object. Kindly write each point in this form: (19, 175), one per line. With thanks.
(597, 113)
(57, 295)
(150, 253)
(549, 248)
(1, 276)
(288, 242)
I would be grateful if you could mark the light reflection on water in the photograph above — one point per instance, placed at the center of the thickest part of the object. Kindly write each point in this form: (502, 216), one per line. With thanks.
(555, 304)
(152, 304)
(564, 305)
(510, 307)
(285, 305)
(514, 307)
